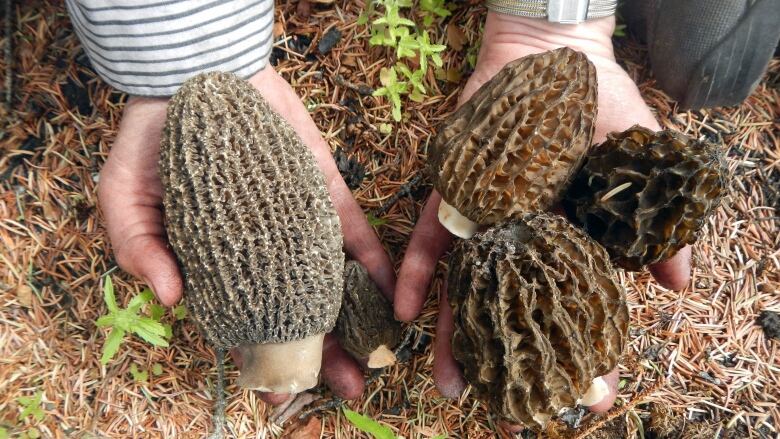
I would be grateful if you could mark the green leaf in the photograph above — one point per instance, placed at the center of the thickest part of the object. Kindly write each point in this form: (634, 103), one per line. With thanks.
(407, 45)
(108, 294)
(107, 320)
(368, 425)
(150, 331)
(180, 312)
(435, 7)
(139, 376)
(31, 406)
(156, 311)
(440, 436)
(140, 300)
(374, 221)
(157, 369)
(427, 49)
(111, 346)
(3, 433)
(384, 128)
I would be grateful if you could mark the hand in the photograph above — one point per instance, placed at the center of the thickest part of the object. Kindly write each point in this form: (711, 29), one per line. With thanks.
(130, 195)
(507, 38)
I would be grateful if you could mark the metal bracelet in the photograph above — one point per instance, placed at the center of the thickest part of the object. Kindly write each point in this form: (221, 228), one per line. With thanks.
(557, 11)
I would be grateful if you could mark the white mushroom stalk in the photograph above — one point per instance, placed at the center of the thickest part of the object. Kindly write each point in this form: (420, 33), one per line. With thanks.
(455, 222)
(597, 391)
(381, 357)
(290, 367)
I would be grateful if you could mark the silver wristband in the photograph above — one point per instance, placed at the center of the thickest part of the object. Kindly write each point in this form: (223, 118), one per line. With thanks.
(557, 11)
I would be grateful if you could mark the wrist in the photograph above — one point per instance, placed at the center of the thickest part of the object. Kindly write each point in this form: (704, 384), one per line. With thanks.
(509, 34)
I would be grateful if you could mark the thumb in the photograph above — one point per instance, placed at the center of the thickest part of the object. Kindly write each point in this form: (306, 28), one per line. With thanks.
(149, 258)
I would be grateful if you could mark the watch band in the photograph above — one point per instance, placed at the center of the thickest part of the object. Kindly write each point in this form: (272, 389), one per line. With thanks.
(558, 11)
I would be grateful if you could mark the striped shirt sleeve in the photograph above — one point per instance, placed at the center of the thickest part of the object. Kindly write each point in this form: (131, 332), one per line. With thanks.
(149, 48)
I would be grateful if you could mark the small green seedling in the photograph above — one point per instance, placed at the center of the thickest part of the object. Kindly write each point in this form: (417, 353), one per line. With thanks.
(130, 320)
(374, 221)
(374, 428)
(426, 50)
(415, 79)
(139, 376)
(407, 45)
(157, 369)
(392, 89)
(31, 406)
(433, 8)
(368, 425)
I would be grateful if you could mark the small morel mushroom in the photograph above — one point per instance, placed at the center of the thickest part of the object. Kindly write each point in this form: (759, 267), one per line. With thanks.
(256, 235)
(538, 314)
(644, 195)
(366, 327)
(514, 145)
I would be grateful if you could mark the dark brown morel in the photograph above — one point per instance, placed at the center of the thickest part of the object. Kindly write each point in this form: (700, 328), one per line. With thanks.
(644, 195)
(256, 235)
(538, 314)
(512, 147)
(366, 327)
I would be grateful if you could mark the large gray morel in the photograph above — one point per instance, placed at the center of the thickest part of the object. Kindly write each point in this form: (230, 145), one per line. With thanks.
(256, 235)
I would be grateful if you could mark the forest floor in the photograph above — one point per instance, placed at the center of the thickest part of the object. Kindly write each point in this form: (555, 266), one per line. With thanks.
(697, 358)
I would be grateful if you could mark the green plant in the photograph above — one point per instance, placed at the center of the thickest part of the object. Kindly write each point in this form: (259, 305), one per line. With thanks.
(368, 425)
(31, 406)
(139, 376)
(393, 30)
(426, 50)
(372, 427)
(433, 7)
(415, 79)
(122, 321)
(392, 89)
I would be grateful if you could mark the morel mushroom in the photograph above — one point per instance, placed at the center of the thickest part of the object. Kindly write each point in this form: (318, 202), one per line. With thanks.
(538, 314)
(644, 195)
(514, 145)
(256, 235)
(366, 327)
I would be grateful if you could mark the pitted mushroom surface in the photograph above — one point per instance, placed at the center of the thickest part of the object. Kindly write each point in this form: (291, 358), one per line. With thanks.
(538, 313)
(644, 195)
(258, 240)
(513, 146)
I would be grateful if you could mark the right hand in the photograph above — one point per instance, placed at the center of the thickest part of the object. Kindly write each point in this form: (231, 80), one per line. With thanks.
(507, 38)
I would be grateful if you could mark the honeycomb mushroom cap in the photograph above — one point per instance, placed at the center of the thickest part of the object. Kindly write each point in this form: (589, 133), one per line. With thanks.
(644, 195)
(538, 315)
(248, 216)
(366, 321)
(514, 145)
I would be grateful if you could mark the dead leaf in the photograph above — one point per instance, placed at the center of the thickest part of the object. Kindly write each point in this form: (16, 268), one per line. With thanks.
(453, 75)
(308, 429)
(303, 10)
(278, 29)
(455, 36)
(349, 60)
(24, 295)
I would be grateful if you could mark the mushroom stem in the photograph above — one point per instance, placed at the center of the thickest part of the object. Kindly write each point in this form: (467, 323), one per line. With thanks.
(455, 222)
(290, 367)
(596, 392)
(381, 357)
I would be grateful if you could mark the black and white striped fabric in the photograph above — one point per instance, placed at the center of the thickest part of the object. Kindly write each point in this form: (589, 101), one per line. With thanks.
(149, 48)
